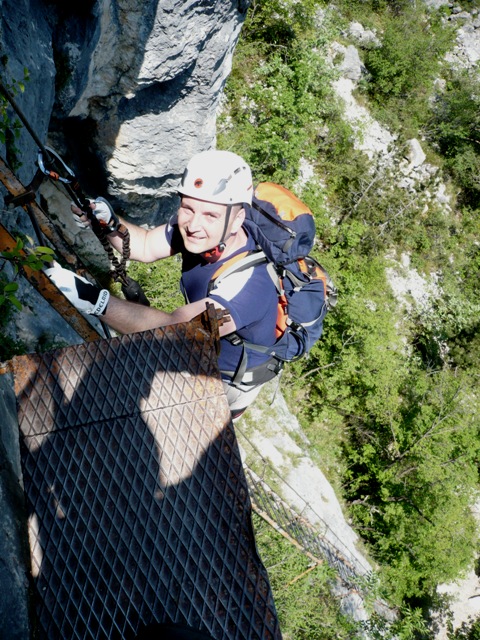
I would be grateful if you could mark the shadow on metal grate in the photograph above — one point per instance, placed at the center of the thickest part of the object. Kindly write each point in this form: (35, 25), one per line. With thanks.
(138, 504)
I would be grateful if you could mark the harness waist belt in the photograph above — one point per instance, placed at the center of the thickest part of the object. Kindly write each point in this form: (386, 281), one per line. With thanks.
(259, 374)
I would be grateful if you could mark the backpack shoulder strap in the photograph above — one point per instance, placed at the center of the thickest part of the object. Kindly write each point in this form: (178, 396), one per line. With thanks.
(240, 262)
(272, 367)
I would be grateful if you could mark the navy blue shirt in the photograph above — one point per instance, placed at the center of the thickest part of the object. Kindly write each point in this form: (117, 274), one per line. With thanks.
(249, 296)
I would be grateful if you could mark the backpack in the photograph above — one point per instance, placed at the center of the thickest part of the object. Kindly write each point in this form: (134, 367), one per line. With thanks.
(283, 228)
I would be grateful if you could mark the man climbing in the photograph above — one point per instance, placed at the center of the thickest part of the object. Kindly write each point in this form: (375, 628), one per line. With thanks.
(207, 231)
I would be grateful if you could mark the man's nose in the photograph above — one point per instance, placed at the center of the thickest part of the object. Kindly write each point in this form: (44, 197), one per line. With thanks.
(195, 222)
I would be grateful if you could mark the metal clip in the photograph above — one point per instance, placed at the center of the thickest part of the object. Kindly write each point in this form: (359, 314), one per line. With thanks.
(53, 174)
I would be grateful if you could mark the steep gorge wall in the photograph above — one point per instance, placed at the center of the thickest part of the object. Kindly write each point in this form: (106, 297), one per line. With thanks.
(126, 91)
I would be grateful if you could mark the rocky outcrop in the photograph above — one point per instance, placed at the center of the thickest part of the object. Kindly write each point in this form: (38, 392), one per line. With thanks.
(14, 583)
(134, 88)
(26, 44)
(126, 92)
(274, 445)
(144, 99)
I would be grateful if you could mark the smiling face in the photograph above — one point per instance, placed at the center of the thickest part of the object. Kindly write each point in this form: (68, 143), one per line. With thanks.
(202, 224)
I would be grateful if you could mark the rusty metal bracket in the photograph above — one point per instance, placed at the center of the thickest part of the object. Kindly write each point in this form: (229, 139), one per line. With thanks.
(17, 190)
(29, 194)
(215, 318)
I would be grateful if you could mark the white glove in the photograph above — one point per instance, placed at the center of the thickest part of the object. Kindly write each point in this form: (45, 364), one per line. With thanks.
(84, 295)
(102, 210)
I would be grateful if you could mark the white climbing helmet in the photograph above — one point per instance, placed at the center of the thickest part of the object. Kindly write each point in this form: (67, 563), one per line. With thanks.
(218, 176)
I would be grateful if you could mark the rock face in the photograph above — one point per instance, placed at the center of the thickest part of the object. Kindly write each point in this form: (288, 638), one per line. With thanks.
(127, 92)
(14, 584)
(136, 87)
(25, 43)
(146, 94)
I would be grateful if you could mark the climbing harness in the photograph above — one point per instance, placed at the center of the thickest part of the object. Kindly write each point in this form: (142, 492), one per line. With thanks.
(52, 166)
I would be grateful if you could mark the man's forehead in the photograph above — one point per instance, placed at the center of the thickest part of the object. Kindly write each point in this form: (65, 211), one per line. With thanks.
(203, 205)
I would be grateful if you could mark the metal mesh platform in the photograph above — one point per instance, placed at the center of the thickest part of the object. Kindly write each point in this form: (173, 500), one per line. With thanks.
(139, 508)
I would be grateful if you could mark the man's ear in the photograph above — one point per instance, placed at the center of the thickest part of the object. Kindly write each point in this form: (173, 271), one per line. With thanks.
(238, 220)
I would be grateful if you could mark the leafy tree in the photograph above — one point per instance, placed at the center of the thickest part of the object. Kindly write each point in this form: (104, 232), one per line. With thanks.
(364, 8)
(403, 68)
(306, 608)
(454, 128)
(411, 479)
(278, 98)
(467, 631)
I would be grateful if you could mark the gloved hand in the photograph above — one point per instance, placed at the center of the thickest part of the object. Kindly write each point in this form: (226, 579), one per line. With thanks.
(84, 295)
(102, 210)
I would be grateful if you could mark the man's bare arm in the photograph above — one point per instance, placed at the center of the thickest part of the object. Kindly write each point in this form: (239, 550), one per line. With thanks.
(127, 317)
(146, 245)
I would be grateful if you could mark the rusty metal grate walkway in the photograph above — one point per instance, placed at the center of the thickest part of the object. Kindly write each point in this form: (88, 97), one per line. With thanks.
(138, 504)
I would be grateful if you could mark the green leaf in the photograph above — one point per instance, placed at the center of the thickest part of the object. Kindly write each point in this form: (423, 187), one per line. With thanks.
(11, 287)
(44, 250)
(16, 303)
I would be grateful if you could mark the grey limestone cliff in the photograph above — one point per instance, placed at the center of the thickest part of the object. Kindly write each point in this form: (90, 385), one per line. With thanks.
(126, 91)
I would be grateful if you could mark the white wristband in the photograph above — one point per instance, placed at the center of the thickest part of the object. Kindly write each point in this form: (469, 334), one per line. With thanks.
(101, 303)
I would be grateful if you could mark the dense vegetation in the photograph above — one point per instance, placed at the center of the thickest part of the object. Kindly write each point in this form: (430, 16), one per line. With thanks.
(302, 590)
(388, 397)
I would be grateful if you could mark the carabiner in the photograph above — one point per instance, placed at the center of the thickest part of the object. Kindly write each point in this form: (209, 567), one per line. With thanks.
(53, 174)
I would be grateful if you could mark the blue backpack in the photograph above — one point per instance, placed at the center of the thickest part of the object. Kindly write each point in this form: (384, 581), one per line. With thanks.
(283, 228)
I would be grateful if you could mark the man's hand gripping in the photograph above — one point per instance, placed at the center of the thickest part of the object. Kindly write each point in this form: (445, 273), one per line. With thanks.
(84, 295)
(103, 212)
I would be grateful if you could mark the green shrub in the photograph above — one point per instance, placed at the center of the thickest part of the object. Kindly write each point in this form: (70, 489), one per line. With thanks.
(160, 282)
(467, 631)
(382, 390)
(278, 98)
(406, 60)
(301, 588)
(402, 70)
(454, 128)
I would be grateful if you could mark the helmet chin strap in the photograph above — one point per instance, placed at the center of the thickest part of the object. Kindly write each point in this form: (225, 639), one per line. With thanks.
(212, 255)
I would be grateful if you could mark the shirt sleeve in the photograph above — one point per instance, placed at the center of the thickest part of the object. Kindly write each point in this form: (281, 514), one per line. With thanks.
(173, 235)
